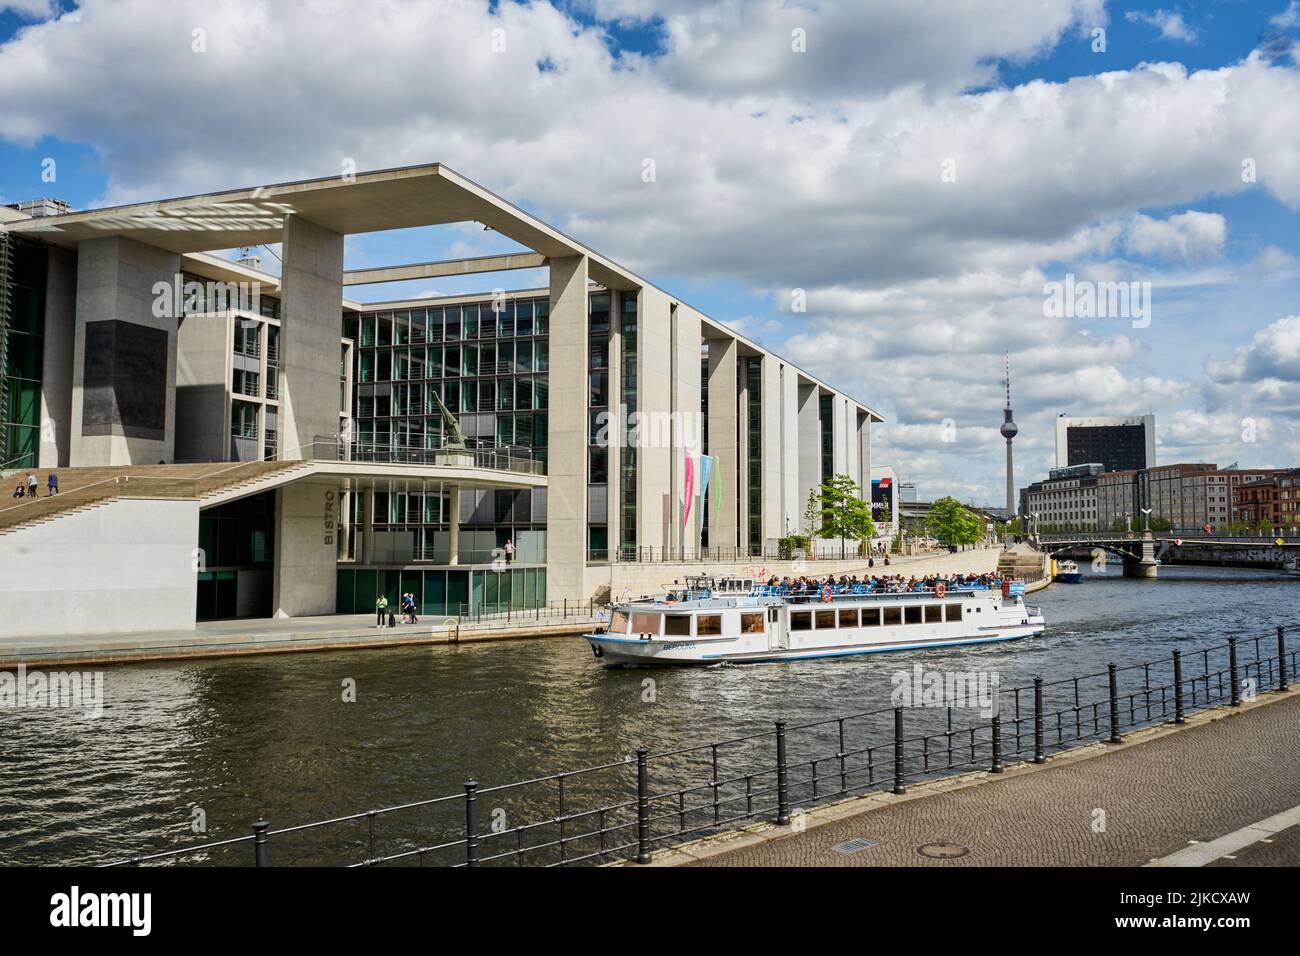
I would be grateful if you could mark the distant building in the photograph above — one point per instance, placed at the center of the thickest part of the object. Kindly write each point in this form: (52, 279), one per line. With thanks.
(1118, 444)
(907, 492)
(40, 208)
(1184, 495)
(1272, 499)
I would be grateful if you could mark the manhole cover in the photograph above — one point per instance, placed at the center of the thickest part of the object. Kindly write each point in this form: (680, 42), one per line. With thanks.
(942, 851)
(854, 845)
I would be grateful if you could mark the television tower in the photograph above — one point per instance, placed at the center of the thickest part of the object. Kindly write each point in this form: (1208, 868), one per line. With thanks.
(1009, 431)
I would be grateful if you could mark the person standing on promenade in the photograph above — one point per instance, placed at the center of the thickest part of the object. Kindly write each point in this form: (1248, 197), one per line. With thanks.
(381, 608)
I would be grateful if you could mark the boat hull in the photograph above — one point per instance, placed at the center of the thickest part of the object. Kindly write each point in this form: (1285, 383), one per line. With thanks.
(621, 651)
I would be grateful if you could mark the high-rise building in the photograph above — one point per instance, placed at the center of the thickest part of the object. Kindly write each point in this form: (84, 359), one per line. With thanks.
(1118, 444)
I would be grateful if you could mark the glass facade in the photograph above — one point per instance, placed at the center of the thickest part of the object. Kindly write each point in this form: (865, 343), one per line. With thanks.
(488, 362)
(441, 591)
(604, 427)
(754, 446)
(627, 490)
(238, 550)
(22, 336)
(826, 418)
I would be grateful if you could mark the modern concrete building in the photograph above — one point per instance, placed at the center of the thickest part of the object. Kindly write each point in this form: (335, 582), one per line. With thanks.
(1119, 444)
(604, 418)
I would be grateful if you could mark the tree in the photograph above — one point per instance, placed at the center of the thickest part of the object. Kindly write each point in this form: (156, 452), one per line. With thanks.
(844, 514)
(953, 522)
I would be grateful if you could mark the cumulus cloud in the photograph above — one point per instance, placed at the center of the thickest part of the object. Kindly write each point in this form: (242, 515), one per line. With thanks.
(1171, 25)
(1189, 236)
(887, 171)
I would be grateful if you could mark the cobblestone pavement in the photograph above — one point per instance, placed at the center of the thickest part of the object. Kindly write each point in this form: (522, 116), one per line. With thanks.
(1122, 808)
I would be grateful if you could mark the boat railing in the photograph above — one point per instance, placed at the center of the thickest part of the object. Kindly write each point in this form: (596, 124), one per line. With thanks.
(850, 590)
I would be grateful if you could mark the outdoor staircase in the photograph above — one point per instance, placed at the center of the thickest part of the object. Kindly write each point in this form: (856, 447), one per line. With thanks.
(83, 488)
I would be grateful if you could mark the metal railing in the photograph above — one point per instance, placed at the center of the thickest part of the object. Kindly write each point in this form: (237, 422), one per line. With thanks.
(629, 808)
(483, 455)
(513, 611)
(828, 551)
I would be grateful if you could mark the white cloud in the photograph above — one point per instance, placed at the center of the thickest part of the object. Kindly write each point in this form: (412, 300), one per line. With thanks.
(1188, 236)
(1288, 18)
(1171, 25)
(775, 170)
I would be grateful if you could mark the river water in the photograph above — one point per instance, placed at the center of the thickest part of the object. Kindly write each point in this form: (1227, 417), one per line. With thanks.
(192, 752)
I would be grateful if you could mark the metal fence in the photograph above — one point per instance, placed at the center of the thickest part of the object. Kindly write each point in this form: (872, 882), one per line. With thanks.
(506, 611)
(630, 808)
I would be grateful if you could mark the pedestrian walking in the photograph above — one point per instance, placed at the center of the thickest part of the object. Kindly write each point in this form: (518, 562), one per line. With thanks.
(53, 485)
(32, 484)
(510, 550)
(408, 606)
(381, 609)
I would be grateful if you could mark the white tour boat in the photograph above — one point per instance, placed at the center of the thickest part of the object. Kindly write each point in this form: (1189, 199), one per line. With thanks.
(736, 620)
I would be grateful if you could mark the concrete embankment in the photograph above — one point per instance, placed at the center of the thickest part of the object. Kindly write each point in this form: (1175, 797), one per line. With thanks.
(238, 638)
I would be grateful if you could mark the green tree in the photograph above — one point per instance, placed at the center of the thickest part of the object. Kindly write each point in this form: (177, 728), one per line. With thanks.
(843, 513)
(951, 521)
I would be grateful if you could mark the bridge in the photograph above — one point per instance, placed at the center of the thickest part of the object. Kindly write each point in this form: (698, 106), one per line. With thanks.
(1144, 551)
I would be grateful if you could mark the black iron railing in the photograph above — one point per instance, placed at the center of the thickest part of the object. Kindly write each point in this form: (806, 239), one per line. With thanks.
(628, 809)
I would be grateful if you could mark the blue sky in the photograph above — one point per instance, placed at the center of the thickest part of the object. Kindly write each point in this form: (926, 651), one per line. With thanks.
(777, 170)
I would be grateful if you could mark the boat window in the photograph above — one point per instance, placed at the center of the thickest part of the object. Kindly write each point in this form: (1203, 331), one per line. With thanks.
(677, 625)
(643, 623)
(953, 612)
(751, 623)
(871, 617)
(773, 614)
(912, 614)
(618, 623)
(893, 615)
(801, 620)
(708, 624)
(825, 620)
(848, 617)
(933, 613)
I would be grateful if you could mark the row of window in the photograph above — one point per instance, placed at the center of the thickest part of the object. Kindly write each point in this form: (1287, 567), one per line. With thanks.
(453, 323)
(501, 358)
(829, 618)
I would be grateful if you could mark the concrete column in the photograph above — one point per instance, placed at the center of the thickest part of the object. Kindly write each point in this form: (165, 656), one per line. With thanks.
(864, 457)
(367, 555)
(124, 357)
(306, 527)
(566, 495)
(311, 326)
(810, 447)
(724, 435)
(453, 526)
(57, 360)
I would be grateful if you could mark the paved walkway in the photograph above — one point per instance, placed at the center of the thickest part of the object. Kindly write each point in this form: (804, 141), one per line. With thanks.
(1159, 791)
(267, 636)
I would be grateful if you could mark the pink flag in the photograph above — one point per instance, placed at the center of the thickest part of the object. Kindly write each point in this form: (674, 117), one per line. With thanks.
(690, 487)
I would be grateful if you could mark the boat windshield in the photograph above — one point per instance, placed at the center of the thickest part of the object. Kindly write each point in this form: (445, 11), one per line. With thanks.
(618, 623)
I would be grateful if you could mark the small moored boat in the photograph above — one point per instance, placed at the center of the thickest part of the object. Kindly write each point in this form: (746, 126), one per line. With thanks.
(1067, 572)
(736, 620)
